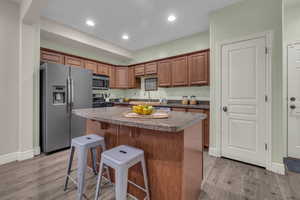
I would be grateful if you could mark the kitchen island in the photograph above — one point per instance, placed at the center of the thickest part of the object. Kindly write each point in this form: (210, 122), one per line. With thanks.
(172, 146)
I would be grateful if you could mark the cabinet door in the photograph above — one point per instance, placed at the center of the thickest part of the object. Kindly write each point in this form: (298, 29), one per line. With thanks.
(103, 69)
(52, 57)
(131, 78)
(164, 69)
(151, 68)
(122, 77)
(139, 70)
(180, 71)
(91, 66)
(198, 69)
(205, 126)
(74, 61)
(112, 77)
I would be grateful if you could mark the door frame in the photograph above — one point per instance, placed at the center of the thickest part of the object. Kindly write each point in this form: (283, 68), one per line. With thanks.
(217, 94)
(285, 125)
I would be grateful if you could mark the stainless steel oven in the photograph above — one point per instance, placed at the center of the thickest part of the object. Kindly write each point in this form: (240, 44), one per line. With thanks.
(100, 82)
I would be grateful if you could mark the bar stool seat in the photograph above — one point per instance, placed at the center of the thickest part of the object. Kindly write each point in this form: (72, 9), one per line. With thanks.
(82, 145)
(121, 158)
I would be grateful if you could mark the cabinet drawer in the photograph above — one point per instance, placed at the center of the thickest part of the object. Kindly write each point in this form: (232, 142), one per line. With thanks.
(151, 68)
(139, 70)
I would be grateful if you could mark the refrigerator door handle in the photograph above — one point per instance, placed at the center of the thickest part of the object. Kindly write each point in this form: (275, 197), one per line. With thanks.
(72, 92)
(68, 94)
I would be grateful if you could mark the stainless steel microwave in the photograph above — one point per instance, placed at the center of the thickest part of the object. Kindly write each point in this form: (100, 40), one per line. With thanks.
(100, 82)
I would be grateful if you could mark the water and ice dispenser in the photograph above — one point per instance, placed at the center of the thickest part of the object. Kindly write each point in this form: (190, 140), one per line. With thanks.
(59, 95)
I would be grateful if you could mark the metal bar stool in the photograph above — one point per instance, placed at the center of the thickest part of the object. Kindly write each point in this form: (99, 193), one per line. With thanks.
(121, 158)
(82, 145)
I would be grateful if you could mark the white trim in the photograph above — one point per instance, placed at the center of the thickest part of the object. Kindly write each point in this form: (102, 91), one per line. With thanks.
(16, 156)
(212, 151)
(7, 158)
(217, 93)
(277, 168)
(25, 155)
(37, 151)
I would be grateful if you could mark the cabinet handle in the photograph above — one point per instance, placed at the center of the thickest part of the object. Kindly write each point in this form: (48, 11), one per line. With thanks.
(293, 107)
(225, 109)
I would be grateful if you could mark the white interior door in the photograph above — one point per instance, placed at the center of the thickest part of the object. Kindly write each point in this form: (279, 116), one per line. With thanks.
(243, 101)
(294, 101)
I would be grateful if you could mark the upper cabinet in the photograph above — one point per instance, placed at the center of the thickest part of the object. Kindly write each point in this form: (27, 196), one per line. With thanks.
(151, 68)
(91, 66)
(131, 78)
(199, 68)
(112, 77)
(103, 69)
(74, 61)
(139, 70)
(52, 57)
(179, 71)
(122, 77)
(164, 71)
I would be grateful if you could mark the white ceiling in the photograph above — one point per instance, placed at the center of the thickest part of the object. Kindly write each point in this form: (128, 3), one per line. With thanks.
(145, 21)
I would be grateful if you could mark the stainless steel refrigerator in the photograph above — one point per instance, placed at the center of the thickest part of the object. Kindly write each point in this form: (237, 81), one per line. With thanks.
(63, 89)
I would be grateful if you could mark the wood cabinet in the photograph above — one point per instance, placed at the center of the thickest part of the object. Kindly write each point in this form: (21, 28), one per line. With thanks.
(52, 57)
(205, 125)
(131, 78)
(122, 77)
(112, 77)
(179, 71)
(103, 69)
(74, 61)
(91, 66)
(179, 109)
(139, 70)
(151, 68)
(164, 70)
(198, 65)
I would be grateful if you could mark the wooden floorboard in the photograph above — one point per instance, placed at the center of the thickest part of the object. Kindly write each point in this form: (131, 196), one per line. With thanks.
(42, 178)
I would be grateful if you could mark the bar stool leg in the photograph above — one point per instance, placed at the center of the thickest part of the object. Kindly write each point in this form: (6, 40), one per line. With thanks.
(145, 178)
(98, 187)
(121, 184)
(69, 167)
(82, 162)
(94, 160)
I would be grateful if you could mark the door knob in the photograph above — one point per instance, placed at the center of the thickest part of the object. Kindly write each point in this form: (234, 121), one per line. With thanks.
(293, 107)
(293, 99)
(225, 109)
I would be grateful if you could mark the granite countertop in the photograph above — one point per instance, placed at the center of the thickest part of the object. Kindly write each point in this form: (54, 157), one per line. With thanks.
(176, 122)
(173, 105)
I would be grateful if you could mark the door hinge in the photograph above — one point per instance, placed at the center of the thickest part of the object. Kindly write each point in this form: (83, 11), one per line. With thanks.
(266, 146)
(266, 98)
(266, 50)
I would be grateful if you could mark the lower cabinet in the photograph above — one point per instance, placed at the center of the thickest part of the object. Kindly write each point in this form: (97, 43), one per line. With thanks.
(205, 124)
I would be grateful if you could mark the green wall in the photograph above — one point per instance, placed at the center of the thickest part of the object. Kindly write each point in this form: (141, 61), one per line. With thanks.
(183, 45)
(239, 20)
(292, 20)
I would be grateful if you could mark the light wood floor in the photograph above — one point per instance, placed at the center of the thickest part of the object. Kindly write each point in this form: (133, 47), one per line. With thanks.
(42, 178)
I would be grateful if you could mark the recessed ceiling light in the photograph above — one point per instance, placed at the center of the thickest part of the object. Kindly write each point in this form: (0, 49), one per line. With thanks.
(90, 22)
(171, 18)
(125, 37)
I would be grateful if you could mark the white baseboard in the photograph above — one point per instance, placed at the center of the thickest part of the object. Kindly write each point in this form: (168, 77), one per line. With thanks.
(16, 156)
(37, 151)
(7, 158)
(25, 155)
(277, 168)
(213, 152)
